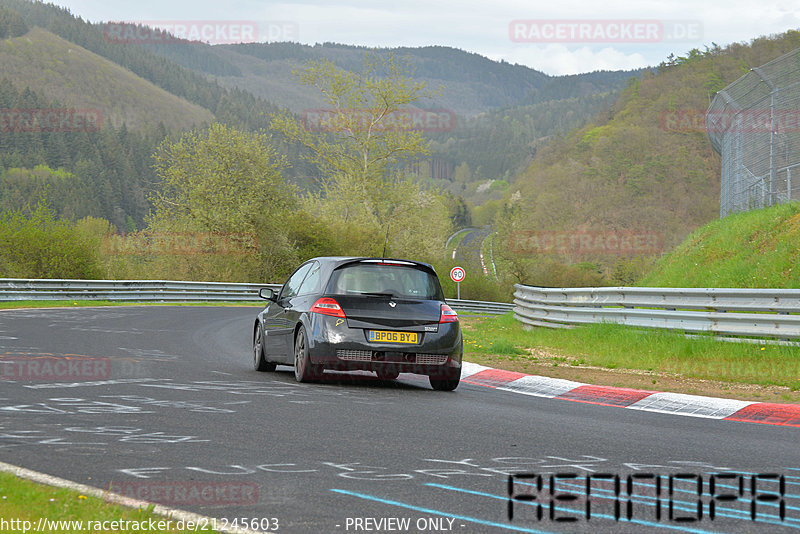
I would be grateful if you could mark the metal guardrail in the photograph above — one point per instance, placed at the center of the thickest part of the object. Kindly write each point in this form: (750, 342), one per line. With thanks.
(171, 291)
(481, 307)
(737, 312)
(129, 290)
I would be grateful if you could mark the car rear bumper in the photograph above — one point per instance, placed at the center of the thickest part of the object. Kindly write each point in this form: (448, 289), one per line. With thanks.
(337, 346)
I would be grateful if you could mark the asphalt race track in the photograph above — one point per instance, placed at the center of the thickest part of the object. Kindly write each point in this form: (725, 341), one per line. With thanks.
(468, 249)
(161, 403)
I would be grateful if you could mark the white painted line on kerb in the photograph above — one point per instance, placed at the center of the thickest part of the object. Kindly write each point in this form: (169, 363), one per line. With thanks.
(113, 498)
(658, 402)
(695, 405)
(541, 386)
(469, 369)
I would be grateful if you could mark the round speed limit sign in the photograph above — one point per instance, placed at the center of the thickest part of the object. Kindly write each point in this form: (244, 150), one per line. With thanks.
(457, 274)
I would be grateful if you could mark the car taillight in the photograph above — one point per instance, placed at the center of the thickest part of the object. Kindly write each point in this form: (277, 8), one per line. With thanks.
(328, 306)
(448, 315)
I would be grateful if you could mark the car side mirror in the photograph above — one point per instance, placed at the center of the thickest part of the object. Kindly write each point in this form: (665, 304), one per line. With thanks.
(267, 293)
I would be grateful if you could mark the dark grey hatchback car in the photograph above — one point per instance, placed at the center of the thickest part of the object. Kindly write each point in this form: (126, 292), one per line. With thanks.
(375, 314)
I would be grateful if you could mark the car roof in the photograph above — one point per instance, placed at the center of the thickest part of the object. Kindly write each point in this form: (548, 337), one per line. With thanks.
(337, 261)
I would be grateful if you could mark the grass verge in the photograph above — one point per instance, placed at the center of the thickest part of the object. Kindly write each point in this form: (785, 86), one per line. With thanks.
(24, 503)
(621, 356)
(752, 249)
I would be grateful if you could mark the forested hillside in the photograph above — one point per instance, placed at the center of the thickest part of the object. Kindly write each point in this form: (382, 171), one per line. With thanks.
(634, 170)
(230, 104)
(66, 72)
(525, 153)
(506, 112)
(103, 172)
(53, 60)
(503, 112)
(495, 146)
(465, 83)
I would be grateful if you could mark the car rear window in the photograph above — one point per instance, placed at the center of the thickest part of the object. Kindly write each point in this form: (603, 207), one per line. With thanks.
(399, 280)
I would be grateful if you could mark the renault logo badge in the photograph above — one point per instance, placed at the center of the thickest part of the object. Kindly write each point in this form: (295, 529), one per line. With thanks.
(392, 304)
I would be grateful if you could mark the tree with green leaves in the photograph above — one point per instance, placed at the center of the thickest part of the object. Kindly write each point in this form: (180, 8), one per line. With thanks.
(227, 185)
(219, 180)
(35, 244)
(363, 145)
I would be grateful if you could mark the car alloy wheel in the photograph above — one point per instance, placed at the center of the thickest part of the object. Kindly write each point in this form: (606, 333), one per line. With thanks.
(304, 370)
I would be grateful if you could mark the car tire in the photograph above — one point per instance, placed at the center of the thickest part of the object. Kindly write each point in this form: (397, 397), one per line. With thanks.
(304, 370)
(388, 373)
(259, 363)
(445, 384)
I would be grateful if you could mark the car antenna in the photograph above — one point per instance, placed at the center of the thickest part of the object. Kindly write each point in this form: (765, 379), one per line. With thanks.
(385, 242)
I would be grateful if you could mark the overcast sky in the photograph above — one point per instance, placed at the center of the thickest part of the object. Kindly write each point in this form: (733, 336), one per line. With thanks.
(556, 37)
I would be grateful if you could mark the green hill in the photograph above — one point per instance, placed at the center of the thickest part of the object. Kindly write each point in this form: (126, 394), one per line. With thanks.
(76, 77)
(53, 59)
(624, 171)
(469, 83)
(512, 109)
(755, 249)
(504, 111)
(632, 170)
(231, 105)
(497, 145)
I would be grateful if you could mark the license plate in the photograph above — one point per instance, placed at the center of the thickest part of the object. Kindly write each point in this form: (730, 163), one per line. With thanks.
(382, 336)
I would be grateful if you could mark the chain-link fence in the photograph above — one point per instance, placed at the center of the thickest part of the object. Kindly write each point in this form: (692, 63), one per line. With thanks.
(754, 123)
